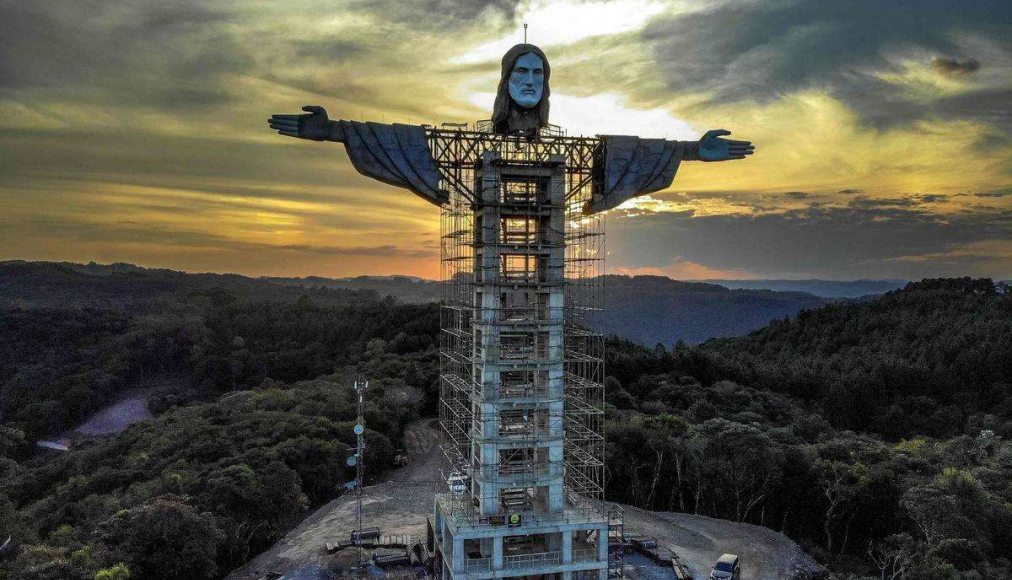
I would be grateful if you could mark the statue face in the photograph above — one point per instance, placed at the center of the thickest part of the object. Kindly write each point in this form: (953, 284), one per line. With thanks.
(527, 81)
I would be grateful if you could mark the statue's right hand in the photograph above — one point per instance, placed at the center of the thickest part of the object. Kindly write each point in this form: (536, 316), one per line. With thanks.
(315, 125)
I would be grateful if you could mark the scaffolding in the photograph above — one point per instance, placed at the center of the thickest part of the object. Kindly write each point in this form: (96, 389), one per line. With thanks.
(521, 373)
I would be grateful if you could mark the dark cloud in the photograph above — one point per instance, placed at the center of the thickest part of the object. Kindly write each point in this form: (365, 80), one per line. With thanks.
(797, 195)
(331, 49)
(907, 201)
(759, 51)
(167, 55)
(850, 191)
(124, 232)
(380, 251)
(992, 107)
(132, 232)
(745, 200)
(168, 161)
(866, 202)
(952, 67)
(836, 242)
(442, 14)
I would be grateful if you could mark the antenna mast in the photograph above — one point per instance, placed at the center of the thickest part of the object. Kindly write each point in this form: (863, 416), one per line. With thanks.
(360, 386)
(525, 33)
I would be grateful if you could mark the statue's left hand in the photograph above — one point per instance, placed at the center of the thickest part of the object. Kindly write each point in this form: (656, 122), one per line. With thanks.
(713, 148)
(315, 125)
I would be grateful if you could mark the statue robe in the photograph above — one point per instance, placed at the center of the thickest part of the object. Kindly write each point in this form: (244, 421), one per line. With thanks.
(635, 166)
(399, 155)
(395, 154)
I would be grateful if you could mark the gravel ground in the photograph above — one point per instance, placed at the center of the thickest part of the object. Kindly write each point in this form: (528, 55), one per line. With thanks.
(400, 506)
(699, 541)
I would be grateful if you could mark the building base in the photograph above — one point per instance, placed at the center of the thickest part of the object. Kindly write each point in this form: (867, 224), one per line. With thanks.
(572, 545)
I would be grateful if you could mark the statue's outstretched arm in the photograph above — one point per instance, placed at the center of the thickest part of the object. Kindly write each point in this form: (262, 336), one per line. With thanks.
(634, 166)
(392, 153)
(314, 125)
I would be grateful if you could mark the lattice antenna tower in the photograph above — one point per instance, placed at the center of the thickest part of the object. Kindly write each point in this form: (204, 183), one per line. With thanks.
(358, 462)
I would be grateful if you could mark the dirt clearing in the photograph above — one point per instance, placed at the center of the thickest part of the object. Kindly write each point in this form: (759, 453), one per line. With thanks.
(400, 506)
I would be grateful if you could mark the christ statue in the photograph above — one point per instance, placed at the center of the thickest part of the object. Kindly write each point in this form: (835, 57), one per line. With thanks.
(521, 370)
(400, 154)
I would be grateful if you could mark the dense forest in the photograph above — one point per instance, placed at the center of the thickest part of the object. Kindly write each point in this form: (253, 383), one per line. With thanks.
(73, 341)
(877, 434)
(933, 359)
(254, 413)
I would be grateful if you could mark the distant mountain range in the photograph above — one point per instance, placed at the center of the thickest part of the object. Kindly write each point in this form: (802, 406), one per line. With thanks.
(824, 288)
(655, 309)
(411, 288)
(405, 288)
(645, 309)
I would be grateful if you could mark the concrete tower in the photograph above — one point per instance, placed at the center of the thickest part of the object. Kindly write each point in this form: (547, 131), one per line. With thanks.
(521, 396)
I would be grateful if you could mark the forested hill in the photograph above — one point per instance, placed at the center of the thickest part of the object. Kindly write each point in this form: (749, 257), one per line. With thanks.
(75, 338)
(128, 287)
(928, 359)
(250, 385)
(644, 309)
(824, 288)
(877, 435)
(655, 309)
(404, 288)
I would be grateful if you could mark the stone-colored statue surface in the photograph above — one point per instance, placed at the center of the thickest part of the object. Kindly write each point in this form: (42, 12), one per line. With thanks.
(399, 154)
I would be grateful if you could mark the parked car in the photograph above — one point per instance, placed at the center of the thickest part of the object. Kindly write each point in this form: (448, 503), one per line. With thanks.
(401, 458)
(727, 568)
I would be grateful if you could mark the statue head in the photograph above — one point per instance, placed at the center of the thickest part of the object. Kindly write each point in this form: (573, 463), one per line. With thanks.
(522, 99)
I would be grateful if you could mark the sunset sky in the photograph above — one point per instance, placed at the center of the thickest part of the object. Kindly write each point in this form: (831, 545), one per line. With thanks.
(134, 130)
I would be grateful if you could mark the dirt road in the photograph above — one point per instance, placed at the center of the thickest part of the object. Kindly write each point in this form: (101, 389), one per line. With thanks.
(400, 506)
(130, 408)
